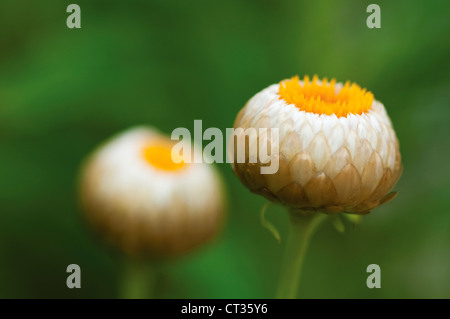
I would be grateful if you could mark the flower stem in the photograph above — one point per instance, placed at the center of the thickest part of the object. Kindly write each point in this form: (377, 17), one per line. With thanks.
(138, 280)
(302, 227)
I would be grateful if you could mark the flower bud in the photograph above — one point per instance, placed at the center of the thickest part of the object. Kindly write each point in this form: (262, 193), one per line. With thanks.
(144, 202)
(337, 152)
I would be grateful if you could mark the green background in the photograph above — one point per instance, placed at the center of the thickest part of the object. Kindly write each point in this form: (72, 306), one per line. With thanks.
(165, 63)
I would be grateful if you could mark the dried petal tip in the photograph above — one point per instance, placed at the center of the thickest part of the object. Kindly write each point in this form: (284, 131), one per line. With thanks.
(337, 149)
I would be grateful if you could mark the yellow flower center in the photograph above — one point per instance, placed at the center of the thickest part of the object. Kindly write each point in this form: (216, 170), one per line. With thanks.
(323, 98)
(159, 155)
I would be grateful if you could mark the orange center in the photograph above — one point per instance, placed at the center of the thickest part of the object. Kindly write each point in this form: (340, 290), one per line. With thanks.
(159, 155)
(322, 98)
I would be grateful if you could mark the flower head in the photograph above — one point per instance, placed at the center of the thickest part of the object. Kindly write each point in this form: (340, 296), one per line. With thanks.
(145, 203)
(337, 150)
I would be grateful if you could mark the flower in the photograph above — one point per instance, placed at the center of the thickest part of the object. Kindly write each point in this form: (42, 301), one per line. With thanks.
(145, 203)
(337, 152)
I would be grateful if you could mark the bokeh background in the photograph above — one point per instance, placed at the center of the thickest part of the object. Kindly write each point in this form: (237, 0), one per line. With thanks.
(166, 63)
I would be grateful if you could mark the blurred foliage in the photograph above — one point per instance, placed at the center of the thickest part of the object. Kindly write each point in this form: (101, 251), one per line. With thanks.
(166, 63)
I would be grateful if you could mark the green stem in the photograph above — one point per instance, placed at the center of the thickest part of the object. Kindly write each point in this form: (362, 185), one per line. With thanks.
(302, 226)
(138, 280)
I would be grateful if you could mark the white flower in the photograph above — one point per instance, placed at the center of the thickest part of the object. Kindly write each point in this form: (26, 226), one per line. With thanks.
(338, 151)
(142, 201)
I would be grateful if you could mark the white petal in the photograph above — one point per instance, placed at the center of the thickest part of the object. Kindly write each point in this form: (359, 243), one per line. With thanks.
(319, 150)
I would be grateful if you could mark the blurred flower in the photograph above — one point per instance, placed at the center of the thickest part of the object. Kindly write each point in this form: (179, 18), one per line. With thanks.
(142, 201)
(338, 150)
